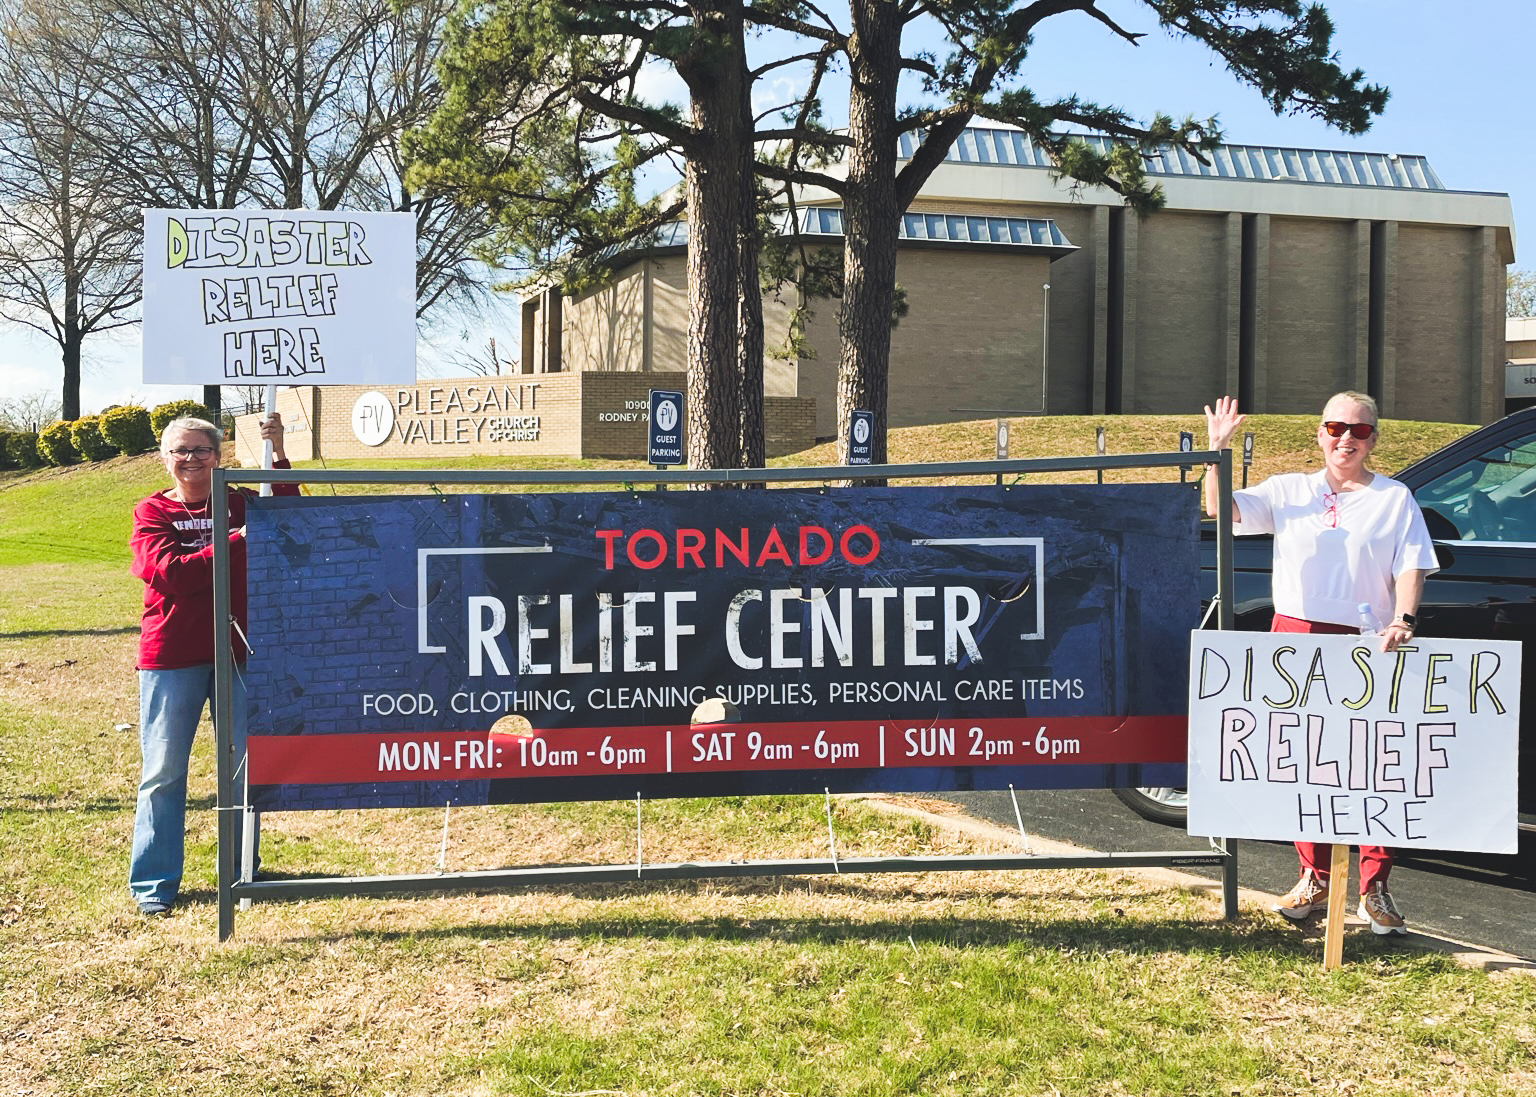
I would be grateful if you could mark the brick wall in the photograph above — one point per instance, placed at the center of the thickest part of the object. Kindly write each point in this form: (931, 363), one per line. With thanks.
(605, 328)
(1178, 351)
(1318, 281)
(1438, 372)
(669, 314)
(970, 344)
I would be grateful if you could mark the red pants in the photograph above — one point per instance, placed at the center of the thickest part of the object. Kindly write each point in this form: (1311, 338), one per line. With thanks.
(1375, 861)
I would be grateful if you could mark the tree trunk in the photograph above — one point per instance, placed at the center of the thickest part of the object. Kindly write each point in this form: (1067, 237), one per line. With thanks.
(70, 348)
(713, 69)
(749, 299)
(69, 250)
(871, 219)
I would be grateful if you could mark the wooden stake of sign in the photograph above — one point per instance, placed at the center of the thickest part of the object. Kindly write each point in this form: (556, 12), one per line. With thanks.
(1338, 897)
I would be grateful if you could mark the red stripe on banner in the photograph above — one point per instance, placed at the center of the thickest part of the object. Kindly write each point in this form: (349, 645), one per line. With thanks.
(369, 757)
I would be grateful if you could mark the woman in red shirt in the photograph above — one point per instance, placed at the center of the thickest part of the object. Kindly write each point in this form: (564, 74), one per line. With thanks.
(173, 553)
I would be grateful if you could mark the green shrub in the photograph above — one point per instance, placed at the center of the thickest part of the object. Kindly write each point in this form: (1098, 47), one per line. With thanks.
(55, 445)
(21, 449)
(176, 409)
(128, 428)
(90, 443)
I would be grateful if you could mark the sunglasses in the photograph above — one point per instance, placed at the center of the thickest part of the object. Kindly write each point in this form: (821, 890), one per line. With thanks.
(1331, 509)
(1337, 429)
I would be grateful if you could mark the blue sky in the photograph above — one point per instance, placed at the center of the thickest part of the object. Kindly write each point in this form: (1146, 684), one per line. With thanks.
(1456, 72)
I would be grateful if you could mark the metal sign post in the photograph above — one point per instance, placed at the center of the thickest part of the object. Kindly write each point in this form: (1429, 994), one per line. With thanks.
(266, 444)
(1247, 455)
(1002, 444)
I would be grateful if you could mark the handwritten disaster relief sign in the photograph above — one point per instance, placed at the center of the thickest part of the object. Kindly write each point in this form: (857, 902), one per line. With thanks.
(279, 297)
(716, 643)
(1329, 739)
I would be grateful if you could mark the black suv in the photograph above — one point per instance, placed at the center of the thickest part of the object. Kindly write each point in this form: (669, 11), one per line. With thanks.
(1479, 501)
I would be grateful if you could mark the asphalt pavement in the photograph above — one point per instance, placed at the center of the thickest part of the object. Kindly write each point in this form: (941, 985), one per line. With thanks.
(1479, 904)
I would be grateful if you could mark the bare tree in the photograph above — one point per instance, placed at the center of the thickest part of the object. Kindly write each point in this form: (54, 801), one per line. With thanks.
(487, 361)
(1520, 293)
(68, 242)
(215, 104)
(32, 411)
(287, 104)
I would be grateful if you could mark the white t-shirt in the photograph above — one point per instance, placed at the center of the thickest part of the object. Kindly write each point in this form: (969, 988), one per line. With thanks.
(1323, 572)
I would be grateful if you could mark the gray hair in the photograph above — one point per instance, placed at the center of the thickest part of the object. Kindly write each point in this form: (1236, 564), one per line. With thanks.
(215, 435)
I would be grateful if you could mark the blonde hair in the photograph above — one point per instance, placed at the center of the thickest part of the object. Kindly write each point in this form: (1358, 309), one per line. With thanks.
(1364, 400)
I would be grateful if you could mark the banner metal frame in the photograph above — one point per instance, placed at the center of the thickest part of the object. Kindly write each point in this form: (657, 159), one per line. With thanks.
(235, 883)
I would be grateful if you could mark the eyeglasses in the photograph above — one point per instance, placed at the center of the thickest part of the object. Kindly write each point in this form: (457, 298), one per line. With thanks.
(1331, 509)
(1337, 429)
(202, 453)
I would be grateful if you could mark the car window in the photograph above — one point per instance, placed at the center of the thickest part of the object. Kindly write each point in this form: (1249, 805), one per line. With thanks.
(1491, 497)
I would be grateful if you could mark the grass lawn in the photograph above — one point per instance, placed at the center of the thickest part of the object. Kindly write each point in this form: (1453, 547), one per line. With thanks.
(1062, 982)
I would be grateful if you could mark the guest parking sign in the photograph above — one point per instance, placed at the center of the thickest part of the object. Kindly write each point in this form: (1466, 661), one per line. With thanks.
(666, 428)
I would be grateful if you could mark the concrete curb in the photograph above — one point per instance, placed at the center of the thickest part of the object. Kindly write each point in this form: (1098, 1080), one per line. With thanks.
(950, 817)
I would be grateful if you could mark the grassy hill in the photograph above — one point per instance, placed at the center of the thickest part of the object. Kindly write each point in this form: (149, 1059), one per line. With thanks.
(82, 514)
(64, 531)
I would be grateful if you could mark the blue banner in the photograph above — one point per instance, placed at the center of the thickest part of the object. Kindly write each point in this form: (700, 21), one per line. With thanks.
(505, 648)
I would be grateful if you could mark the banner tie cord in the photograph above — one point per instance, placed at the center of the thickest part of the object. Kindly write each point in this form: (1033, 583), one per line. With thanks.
(442, 853)
(1023, 837)
(241, 633)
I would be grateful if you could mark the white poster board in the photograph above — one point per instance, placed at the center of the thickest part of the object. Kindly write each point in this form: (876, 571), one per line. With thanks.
(279, 297)
(1328, 739)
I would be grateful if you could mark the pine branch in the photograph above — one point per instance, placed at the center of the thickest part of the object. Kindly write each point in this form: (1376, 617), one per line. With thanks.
(801, 177)
(654, 121)
(1133, 37)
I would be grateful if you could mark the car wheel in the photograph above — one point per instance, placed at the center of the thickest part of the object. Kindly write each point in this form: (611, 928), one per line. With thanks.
(1161, 805)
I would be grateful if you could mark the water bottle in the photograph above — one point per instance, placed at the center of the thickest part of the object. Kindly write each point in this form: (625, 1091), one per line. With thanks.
(1369, 624)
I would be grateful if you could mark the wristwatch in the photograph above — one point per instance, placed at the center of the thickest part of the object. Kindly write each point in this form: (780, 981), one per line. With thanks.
(1407, 619)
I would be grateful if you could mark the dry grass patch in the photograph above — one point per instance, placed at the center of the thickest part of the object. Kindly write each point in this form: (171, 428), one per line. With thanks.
(1080, 981)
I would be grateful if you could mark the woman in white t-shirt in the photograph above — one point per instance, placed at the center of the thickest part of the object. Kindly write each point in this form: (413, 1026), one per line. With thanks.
(1344, 537)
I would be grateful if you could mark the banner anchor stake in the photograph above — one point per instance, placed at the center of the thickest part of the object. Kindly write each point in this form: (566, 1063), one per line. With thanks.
(639, 838)
(442, 853)
(831, 838)
(1019, 818)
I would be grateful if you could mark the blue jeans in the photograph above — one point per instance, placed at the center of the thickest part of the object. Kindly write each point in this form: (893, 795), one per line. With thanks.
(170, 706)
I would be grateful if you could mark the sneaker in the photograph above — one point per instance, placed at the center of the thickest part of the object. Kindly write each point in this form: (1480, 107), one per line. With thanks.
(1309, 894)
(153, 908)
(1377, 908)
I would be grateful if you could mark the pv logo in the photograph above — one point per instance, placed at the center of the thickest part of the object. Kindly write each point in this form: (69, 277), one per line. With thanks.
(373, 418)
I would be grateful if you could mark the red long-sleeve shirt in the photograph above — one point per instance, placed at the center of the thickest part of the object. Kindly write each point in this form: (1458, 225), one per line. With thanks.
(172, 547)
